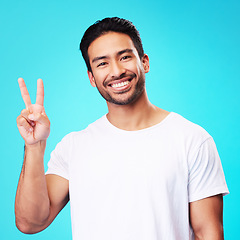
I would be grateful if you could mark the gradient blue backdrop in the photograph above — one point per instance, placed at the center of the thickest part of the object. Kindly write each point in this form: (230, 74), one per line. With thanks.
(194, 49)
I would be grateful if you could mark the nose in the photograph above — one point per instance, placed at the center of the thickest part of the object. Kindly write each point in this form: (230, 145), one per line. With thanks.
(116, 69)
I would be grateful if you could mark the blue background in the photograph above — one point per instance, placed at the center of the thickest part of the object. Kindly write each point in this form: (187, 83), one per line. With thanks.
(194, 49)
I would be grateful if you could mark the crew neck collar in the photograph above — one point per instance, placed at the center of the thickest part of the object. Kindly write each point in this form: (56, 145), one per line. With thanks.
(110, 125)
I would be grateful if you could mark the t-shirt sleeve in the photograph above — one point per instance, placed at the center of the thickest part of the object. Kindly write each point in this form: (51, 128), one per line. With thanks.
(58, 163)
(206, 177)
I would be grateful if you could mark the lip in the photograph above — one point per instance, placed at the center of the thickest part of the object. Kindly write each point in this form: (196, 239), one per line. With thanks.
(122, 80)
(122, 89)
(116, 81)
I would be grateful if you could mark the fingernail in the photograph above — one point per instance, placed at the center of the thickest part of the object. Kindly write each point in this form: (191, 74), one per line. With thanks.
(31, 116)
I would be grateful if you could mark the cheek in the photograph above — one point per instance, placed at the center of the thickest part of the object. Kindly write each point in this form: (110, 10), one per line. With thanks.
(134, 67)
(98, 73)
(138, 70)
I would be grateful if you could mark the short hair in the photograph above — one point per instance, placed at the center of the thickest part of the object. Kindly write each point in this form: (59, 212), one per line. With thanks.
(114, 24)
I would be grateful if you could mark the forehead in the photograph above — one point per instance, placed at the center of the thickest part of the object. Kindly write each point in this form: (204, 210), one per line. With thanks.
(109, 44)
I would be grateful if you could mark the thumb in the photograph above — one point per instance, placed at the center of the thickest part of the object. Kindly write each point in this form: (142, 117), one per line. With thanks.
(40, 118)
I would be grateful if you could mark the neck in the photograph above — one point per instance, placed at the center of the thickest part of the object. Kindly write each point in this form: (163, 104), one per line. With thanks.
(135, 116)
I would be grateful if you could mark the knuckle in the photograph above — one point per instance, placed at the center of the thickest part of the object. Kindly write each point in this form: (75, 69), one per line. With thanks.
(21, 121)
(24, 112)
(18, 118)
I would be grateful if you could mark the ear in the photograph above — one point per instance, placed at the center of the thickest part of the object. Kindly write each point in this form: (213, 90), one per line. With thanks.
(145, 63)
(91, 78)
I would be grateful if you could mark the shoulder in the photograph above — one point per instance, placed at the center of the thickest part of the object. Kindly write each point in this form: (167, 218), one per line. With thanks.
(183, 129)
(78, 135)
(182, 124)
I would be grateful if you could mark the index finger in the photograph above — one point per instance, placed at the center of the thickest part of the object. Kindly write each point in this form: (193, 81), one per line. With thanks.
(24, 92)
(40, 92)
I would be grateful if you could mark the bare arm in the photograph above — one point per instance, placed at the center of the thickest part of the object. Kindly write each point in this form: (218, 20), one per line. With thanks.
(39, 198)
(206, 217)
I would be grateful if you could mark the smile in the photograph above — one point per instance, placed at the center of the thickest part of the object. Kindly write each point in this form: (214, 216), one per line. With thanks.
(121, 84)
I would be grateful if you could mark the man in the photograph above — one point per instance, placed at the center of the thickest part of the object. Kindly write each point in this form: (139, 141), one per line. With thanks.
(138, 173)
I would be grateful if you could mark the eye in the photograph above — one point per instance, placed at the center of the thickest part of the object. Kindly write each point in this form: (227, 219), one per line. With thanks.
(101, 64)
(125, 57)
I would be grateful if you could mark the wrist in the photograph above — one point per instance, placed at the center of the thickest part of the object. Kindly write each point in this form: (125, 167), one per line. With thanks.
(39, 145)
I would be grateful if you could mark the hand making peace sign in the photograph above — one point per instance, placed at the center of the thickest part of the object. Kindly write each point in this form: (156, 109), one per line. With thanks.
(33, 123)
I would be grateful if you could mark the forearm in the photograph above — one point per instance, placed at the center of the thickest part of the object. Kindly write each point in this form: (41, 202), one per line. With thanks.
(206, 217)
(211, 231)
(32, 204)
(216, 234)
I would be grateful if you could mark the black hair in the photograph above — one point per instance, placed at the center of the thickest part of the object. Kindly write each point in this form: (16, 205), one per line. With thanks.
(105, 25)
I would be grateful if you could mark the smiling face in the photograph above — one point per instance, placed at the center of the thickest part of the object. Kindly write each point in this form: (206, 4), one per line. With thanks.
(117, 71)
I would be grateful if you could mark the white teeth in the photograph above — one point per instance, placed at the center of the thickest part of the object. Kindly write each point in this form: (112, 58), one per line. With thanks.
(121, 84)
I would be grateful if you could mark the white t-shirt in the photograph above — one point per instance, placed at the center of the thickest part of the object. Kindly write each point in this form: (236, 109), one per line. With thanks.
(137, 185)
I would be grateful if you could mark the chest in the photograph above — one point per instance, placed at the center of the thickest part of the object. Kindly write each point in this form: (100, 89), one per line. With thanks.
(147, 162)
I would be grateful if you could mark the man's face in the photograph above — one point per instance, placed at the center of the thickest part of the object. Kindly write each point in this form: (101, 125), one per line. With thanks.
(117, 71)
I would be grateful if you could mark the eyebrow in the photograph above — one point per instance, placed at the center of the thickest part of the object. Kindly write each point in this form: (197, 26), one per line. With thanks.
(99, 58)
(127, 50)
